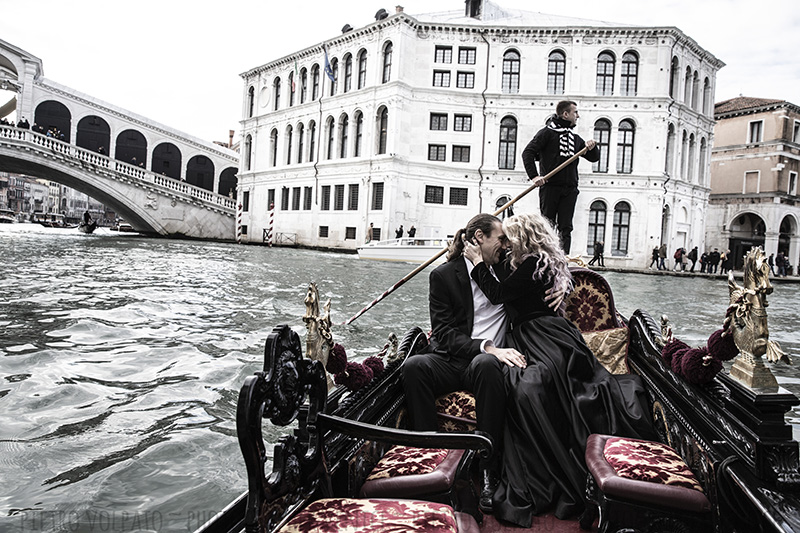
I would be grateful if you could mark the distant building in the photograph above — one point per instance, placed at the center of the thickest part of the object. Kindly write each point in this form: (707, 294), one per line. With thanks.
(754, 167)
(422, 120)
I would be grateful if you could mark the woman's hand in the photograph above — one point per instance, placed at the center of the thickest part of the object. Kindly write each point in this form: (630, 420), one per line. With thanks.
(472, 252)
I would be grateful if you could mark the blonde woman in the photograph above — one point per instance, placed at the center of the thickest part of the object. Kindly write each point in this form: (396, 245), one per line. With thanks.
(562, 394)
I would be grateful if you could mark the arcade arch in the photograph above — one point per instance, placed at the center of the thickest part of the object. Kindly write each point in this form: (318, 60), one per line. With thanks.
(52, 115)
(93, 134)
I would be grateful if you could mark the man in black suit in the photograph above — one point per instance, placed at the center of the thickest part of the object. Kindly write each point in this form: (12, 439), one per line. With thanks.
(465, 351)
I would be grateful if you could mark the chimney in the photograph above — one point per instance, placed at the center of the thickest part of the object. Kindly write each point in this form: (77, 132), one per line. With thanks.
(398, 9)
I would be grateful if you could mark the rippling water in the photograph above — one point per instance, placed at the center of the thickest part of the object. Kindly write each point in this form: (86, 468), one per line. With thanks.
(121, 359)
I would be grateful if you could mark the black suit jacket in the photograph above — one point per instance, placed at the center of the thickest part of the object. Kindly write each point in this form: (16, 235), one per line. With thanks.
(452, 310)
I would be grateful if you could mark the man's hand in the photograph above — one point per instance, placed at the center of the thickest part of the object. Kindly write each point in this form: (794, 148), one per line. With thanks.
(509, 356)
(590, 144)
(472, 252)
(554, 297)
(538, 181)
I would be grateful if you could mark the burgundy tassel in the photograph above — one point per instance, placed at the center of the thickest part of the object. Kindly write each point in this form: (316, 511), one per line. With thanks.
(698, 366)
(668, 352)
(375, 364)
(337, 360)
(354, 376)
(721, 346)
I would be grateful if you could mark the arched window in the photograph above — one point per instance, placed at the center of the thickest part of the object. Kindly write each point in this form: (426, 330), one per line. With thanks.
(706, 97)
(696, 91)
(335, 71)
(508, 143)
(669, 163)
(597, 225)
(292, 88)
(621, 229)
(556, 67)
(359, 119)
(303, 85)
(251, 101)
(508, 211)
(289, 135)
(276, 93)
(630, 74)
(348, 73)
(273, 148)
(248, 151)
(701, 176)
(605, 74)
(344, 125)
(362, 69)
(625, 147)
(692, 159)
(684, 154)
(314, 82)
(602, 136)
(312, 141)
(300, 132)
(510, 81)
(383, 129)
(687, 87)
(330, 127)
(387, 62)
(673, 78)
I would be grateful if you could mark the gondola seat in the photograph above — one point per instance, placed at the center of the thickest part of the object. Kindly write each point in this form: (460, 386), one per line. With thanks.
(636, 484)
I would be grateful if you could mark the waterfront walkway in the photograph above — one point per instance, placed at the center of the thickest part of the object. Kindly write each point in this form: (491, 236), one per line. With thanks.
(737, 274)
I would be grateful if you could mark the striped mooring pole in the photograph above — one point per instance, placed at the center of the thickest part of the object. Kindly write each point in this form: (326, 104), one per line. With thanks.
(239, 224)
(271, 220)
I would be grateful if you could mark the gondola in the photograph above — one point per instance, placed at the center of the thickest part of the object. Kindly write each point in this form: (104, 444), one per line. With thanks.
(730, 433)
(83, 227)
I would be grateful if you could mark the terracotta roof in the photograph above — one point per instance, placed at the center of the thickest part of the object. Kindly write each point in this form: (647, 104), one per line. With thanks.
(744, 103)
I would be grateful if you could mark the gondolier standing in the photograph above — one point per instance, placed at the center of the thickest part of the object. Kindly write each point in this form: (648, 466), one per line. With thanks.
(552, 145)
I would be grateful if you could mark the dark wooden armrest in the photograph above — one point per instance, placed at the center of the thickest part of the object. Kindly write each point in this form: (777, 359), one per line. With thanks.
(420, 439)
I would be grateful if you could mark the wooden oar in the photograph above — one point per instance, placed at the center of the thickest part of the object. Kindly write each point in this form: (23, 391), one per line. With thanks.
(424, 265)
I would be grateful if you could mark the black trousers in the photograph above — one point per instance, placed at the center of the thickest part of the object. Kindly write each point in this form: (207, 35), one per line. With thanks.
(557, 204)
(429, 375)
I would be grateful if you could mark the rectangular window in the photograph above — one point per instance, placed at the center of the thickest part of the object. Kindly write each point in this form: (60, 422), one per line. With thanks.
(437, 152)
(352, 197)
(443, 54)
(244, 229)
(441, 78)
(796, 132)
(466, 56)
(439, 121)
(295, 198)
(756, 132)
(792, 183)
(307, 193)
(751, 185)
(326, 198)
(349, 233)
(338, 198)
(245, 201)
(323, 232)
(458, 196)
(465, 80)
(377, 196)
(462, 123)
(434, 194)
(285, 198)
(376, 234)
(461, 154)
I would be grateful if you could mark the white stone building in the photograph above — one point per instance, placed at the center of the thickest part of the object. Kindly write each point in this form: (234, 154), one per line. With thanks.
(428, 115)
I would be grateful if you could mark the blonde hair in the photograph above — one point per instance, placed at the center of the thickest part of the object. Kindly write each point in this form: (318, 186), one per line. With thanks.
(532, 234)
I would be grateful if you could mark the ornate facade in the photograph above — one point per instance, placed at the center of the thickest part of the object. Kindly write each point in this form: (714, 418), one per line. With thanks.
(422, 121)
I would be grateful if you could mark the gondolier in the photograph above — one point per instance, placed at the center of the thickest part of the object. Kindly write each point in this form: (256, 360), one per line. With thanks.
(551, 146)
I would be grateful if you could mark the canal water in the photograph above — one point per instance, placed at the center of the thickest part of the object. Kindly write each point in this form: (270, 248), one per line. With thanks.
(121, 359)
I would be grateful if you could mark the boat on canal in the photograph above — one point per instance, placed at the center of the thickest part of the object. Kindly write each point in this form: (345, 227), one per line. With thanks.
(406, 249)
(7, 216)
(51, 220)
(89, 227)
(349, 464)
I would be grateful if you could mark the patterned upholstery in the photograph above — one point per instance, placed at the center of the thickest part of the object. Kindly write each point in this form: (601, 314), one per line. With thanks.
(590, 306)
(649, 461)
(407, 461)
(456, 411)
(610, 347)
(336, 515)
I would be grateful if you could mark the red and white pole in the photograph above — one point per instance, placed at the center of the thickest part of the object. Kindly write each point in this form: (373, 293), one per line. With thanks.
(239, 224)
(271, 221)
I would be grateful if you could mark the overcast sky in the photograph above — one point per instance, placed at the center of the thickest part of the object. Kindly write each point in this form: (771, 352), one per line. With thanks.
(178, 61)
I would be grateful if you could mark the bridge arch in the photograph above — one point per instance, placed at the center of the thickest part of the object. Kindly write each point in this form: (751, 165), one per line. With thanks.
(167, 160)
(200, 172)
(50, 115)
(93, 133)
(228, 182)
(131, 147)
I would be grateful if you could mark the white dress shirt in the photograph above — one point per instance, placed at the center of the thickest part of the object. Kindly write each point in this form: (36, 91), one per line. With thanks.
(489, 320)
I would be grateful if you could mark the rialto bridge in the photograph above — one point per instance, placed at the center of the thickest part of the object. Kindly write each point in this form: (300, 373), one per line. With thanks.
(158, 179)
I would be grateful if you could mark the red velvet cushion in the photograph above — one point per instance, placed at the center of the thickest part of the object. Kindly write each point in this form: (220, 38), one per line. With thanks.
(649, 461)
(409, 481)
(335, 515)
(407, 461)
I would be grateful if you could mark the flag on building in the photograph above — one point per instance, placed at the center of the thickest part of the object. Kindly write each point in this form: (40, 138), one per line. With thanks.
(328, 69)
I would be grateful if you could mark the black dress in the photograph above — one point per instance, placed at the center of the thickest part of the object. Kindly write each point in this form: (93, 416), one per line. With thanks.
(554, 404)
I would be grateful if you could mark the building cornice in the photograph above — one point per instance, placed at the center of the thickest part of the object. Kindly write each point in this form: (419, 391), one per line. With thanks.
(767, 108)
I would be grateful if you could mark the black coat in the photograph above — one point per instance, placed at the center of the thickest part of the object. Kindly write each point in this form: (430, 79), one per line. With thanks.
(544, 147)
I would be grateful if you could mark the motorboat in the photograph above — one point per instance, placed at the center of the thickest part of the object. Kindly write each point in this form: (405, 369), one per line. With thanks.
(7, 216)
(405, 249)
